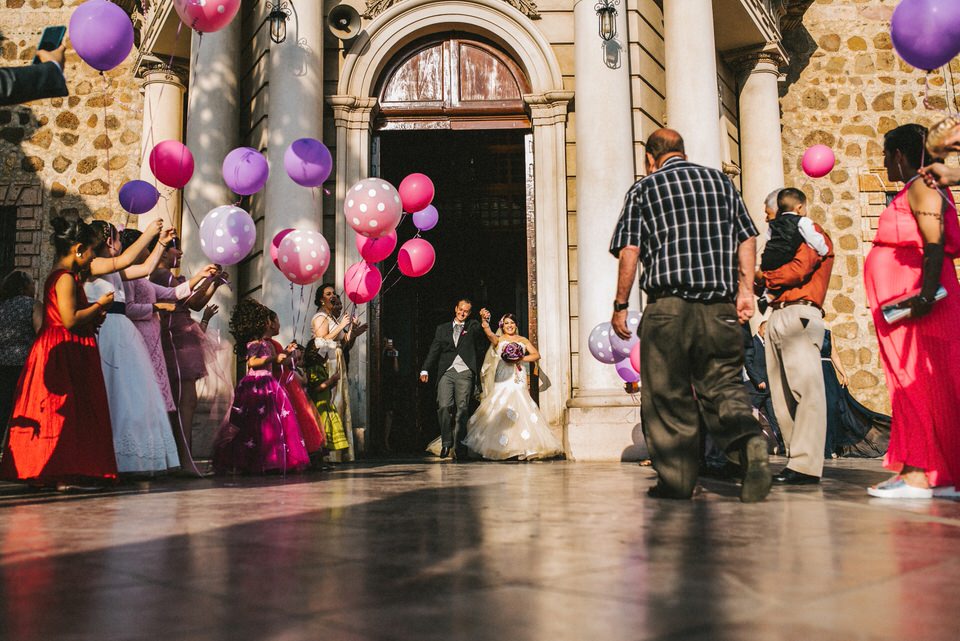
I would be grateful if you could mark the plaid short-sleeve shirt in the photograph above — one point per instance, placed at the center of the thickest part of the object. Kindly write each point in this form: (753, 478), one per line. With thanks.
(688, 221)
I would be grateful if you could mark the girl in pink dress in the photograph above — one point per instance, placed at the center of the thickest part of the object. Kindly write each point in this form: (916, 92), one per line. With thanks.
(917, 239)
(261, 433)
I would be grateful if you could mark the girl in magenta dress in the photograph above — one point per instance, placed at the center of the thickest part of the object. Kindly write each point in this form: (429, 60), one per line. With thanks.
(921, 353)
(60, 427)
(261, 433)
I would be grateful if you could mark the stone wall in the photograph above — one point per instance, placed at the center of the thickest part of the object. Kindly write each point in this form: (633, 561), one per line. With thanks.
(64, 156)
(845, 88)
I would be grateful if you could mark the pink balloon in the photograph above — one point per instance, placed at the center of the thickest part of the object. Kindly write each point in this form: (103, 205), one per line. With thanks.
(626, 372)
(275, 246)
(362, 282)
(416, 192)
(372, 207)
(416, 257)
(373, 250)
(818, 161)
(206, 16)
(635, 357)
(172, 163)
(304, 256)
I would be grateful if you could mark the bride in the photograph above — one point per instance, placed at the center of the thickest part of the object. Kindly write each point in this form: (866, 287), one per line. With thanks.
(508, 424)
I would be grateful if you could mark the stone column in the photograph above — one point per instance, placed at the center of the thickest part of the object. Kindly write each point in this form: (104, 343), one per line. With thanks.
(295, 110)
(605, 171)
(693, 103)
(163, 92)
(761, 147)
(213, 129)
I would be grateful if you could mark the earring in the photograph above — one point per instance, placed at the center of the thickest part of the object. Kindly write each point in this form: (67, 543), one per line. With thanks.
(79, 254)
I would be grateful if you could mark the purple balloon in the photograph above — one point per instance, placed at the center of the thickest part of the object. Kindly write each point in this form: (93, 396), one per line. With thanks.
(138, 196)
(926, 33)
(599, 344)
(101, 33)
(227, 235)
(308, 162)
(426, 219)
(245, 171)
(626, 372)
(622, 347)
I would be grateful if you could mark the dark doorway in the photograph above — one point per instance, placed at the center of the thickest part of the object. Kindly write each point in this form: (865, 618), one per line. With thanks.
(481, 244)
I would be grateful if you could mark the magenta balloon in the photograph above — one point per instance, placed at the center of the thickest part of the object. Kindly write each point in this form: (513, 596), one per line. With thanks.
(416, 257)
(818, 161)
(626, 372)
(304, 256)
(227, 235)
(206, 16)
(172, 163)
(308, 162)
(245, 171)
(926, 33)
(416, 192)
(275, 245)
(373, 250)
(362, 282)
(622, 347)
(101, 33)
(426, 219)
(138, 196)
(635, 357)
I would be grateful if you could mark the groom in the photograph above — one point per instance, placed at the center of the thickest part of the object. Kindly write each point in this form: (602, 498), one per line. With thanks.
(455, 355)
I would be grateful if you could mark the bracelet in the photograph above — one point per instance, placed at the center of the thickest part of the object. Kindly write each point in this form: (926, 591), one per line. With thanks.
(163, 244)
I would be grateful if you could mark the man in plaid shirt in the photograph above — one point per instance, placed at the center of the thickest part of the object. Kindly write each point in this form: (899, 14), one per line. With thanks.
(690, 229)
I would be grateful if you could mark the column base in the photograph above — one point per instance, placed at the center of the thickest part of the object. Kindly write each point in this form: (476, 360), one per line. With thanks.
(604, 426)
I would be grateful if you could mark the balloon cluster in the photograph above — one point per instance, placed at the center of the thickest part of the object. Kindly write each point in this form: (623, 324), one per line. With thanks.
(373, 208)
(607, 347)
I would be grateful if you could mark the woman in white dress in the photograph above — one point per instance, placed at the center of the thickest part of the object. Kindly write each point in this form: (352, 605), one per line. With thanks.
(142, 436)
(508, 424)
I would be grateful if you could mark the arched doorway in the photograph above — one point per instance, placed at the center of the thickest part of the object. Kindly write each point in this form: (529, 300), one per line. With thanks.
(451, 107)
(356, 107)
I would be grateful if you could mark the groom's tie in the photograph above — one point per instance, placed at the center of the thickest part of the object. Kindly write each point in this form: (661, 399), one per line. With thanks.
(457, 330)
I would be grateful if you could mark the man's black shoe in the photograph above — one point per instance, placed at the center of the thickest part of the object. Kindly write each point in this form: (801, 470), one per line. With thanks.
(756, 470)
(662, 492)
(444, 452)
(792, 477)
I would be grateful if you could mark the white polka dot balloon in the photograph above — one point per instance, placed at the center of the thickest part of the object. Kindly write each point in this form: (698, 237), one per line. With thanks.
(372, 207)
(303, 256)
(227, 235)
(600, 344)
(622, 347)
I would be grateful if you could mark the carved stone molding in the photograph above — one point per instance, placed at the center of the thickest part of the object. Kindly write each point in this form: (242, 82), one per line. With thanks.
(156, 71)
(746, 60)
(526, 7)
(352, 112)
(548, 108)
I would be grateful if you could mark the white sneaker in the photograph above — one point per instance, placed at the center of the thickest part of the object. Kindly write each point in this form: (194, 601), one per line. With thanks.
(946, 492)
(898, 489)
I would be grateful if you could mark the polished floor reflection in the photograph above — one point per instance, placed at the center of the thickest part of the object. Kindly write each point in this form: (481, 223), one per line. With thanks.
(437, 551)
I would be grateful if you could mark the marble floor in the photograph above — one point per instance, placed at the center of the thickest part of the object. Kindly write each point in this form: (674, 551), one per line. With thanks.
(424, 551)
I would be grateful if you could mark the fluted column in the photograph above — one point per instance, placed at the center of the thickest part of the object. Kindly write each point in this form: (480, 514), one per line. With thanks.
(213, 129)
(693, 102)
(295, 110)
(163, 91)
(605, 171)
(761, 147)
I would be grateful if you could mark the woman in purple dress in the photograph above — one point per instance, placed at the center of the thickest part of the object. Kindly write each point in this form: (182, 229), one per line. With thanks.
(261, 433)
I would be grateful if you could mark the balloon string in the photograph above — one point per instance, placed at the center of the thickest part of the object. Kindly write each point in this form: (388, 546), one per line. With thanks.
(106, 135)
(190, 211)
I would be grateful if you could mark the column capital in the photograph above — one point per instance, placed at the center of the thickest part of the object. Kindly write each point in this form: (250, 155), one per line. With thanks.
(767, 59)
(352, 112)
(548, 108)
(156, 71)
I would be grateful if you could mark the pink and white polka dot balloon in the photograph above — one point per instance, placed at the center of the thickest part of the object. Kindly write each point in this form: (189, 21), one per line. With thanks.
(303, 256)
(227, 234)
(372, 207)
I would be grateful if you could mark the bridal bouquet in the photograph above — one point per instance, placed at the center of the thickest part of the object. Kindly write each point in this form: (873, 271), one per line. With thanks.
(513, 352)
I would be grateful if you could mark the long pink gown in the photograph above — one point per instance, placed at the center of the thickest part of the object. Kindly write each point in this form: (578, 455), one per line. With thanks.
(920, 355)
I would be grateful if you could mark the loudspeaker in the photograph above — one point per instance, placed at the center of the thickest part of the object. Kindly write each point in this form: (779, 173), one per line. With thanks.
(343, 21)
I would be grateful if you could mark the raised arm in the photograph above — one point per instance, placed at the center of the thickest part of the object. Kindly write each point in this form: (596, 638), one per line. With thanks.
(144, 269)
(100, 266)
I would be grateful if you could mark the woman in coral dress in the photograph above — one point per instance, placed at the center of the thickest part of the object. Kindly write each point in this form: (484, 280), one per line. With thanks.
(60, 428)
(917, 239)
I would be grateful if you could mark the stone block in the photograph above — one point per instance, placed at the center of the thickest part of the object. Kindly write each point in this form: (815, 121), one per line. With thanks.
(605, 433)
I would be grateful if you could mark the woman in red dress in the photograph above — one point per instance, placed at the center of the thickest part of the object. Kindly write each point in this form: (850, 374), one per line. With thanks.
(917, 239)
(60, 428)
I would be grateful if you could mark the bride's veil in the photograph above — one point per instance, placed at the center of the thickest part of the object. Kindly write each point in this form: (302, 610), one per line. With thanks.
(488, 371)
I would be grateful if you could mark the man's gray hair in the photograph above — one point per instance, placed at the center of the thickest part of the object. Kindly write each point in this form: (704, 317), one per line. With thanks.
(771, 201)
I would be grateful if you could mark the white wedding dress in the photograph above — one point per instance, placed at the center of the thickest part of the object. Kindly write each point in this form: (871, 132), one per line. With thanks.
(508, 424)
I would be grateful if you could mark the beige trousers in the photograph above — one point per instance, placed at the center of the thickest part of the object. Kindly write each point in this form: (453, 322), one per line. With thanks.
(793, 340)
